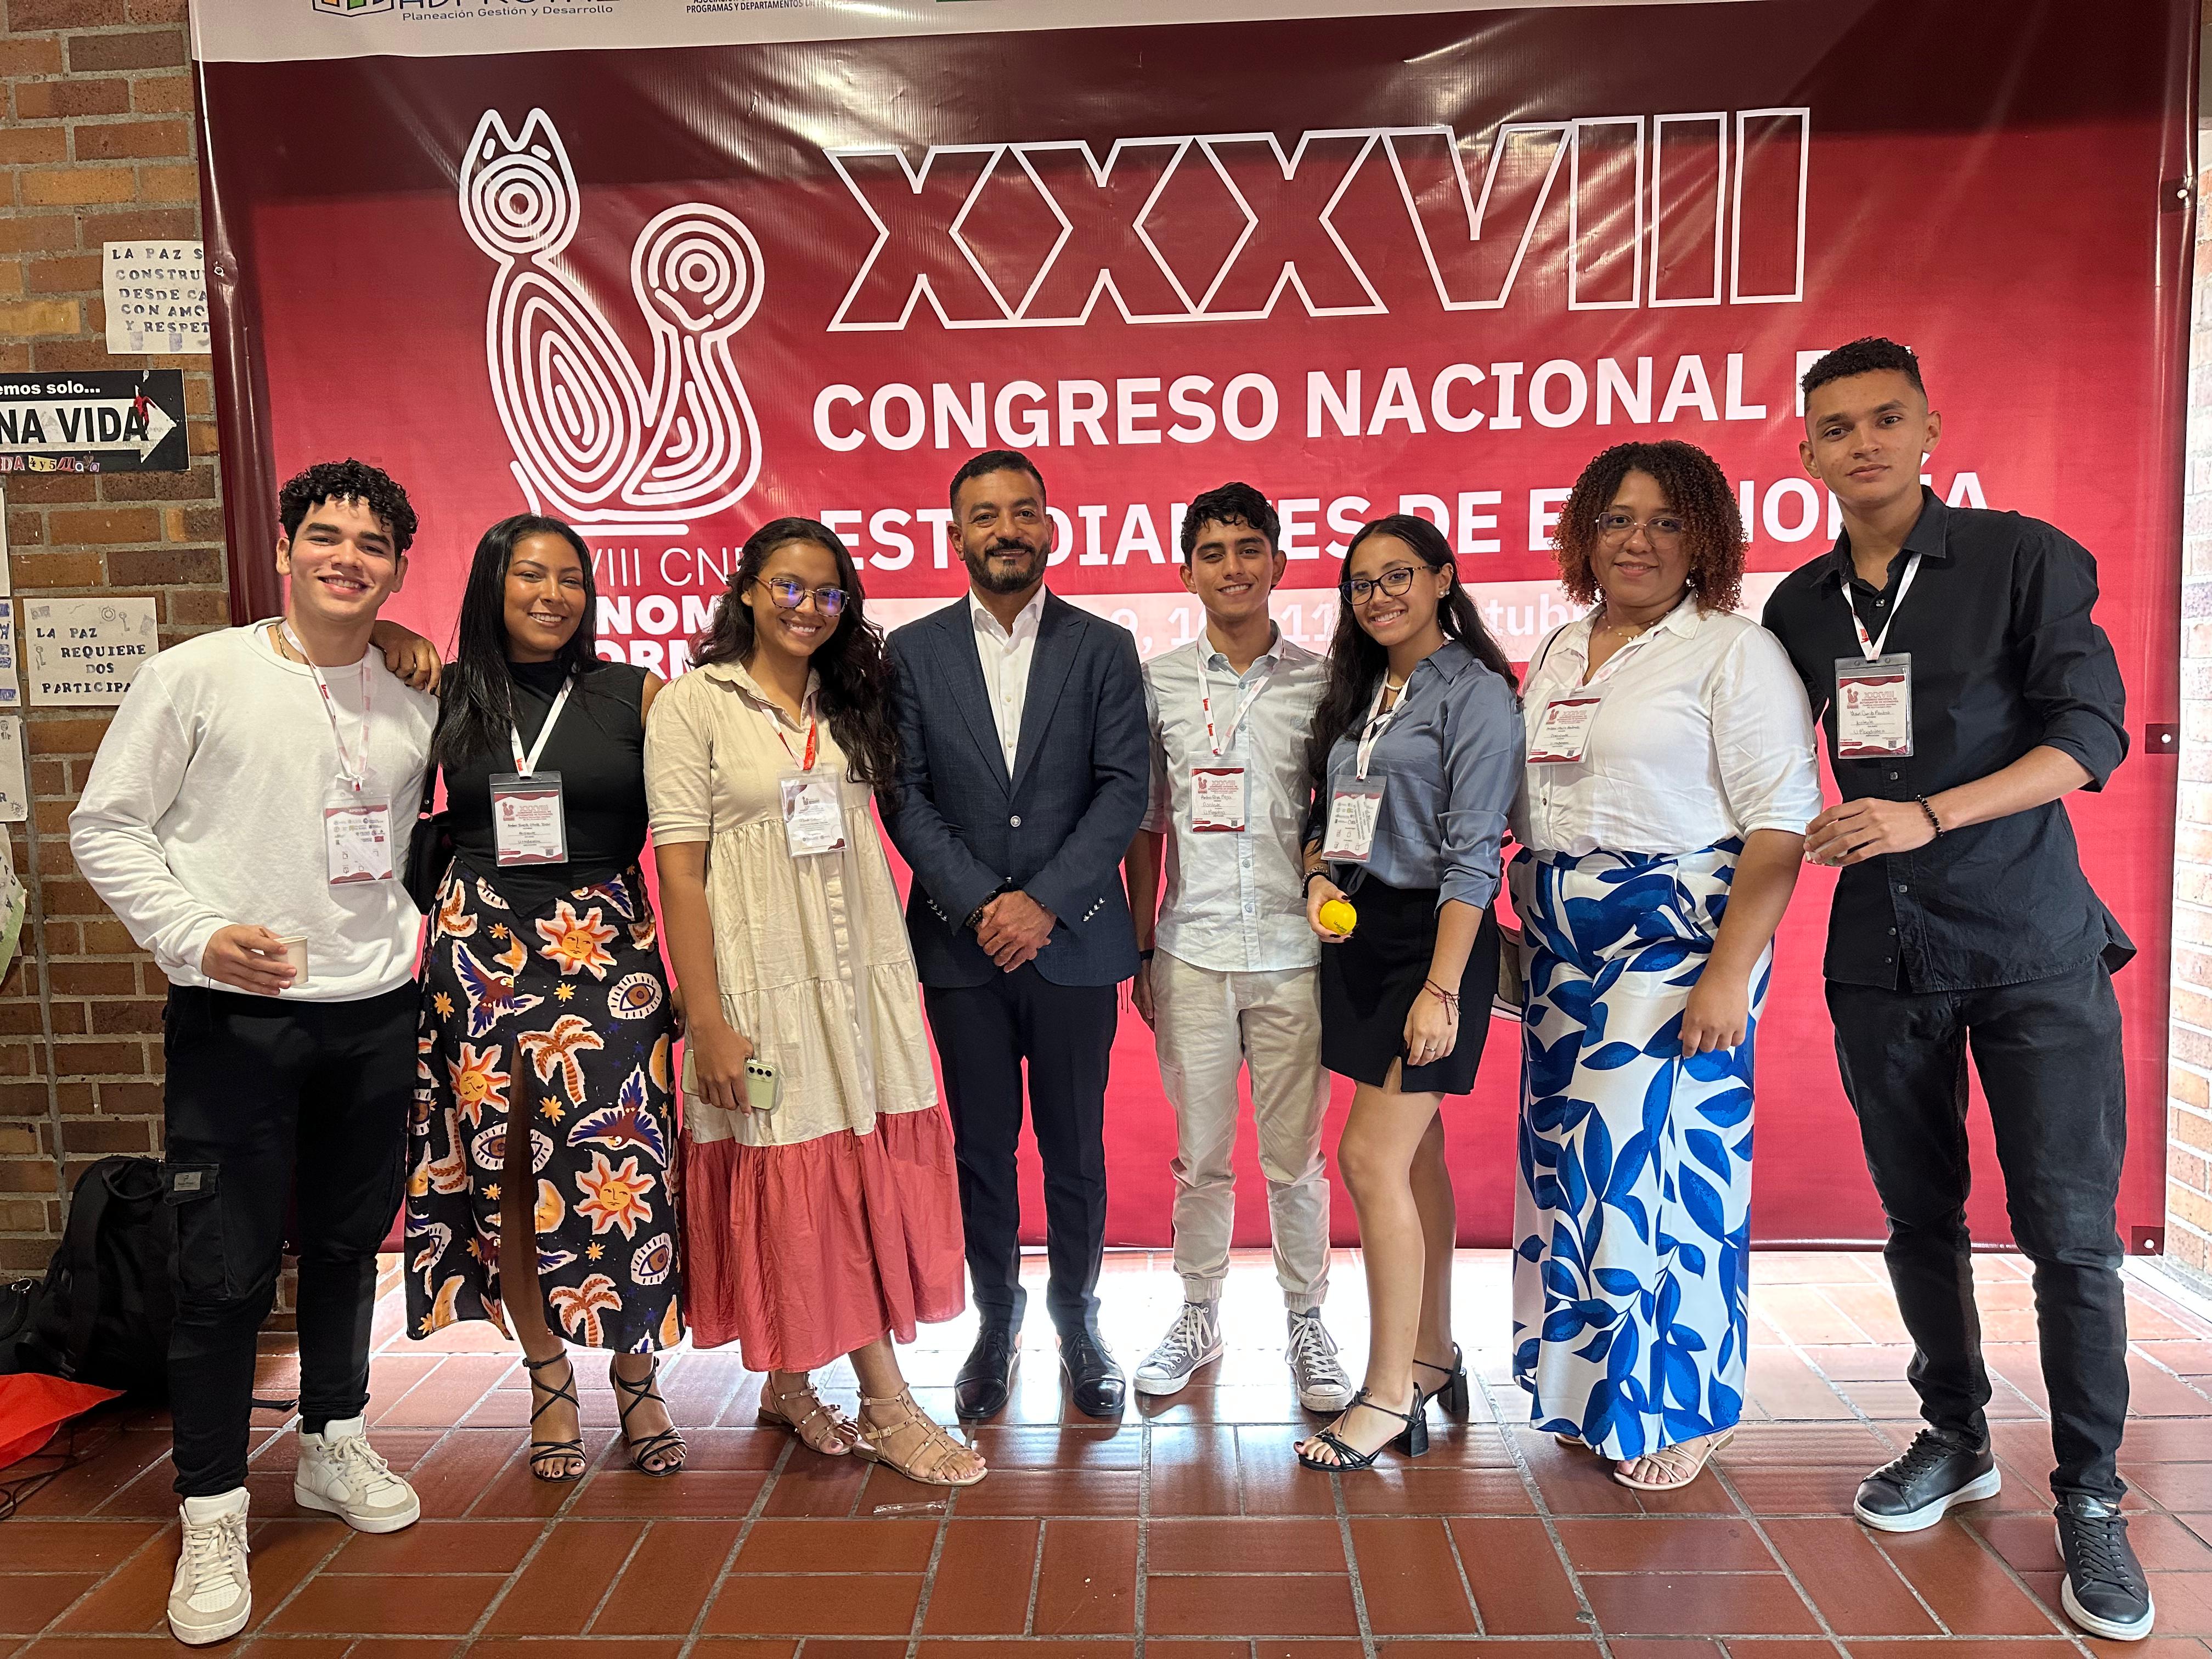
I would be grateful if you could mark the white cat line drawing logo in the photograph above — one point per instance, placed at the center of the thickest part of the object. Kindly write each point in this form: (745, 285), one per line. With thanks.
(595, 441)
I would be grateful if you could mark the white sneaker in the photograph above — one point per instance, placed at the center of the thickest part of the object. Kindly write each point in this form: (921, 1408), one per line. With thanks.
(340, 1471)
(1192, 1341)
(211, 1598)
(1320, 1382)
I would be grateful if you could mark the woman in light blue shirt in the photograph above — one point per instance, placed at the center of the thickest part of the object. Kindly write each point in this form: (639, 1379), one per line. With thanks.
(1416, 751)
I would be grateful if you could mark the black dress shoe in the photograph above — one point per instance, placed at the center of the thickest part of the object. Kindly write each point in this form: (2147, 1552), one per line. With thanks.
(1914, 1490)
(986, 1381)
(1094, 1380)
(2105, 1592)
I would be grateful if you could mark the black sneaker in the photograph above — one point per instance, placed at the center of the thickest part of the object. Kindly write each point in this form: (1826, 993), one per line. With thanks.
(1916, 1490)
(2105, 1592)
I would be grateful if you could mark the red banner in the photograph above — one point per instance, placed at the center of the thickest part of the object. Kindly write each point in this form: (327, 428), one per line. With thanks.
(667, 269)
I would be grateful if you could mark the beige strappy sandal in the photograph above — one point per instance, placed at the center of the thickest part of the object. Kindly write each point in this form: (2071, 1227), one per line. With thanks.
(820, 1427)
(1682, 1465)
(928, 1454)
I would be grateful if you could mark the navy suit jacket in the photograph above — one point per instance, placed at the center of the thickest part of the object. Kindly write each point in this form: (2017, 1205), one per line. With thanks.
(1057, 828)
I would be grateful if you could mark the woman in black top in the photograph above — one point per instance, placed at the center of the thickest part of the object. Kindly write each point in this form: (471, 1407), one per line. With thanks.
(540, 1188)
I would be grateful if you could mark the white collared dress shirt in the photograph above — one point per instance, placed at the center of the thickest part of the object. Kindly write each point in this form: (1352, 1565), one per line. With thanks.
(1704, 733)
(1234, 902)
(1006, 655)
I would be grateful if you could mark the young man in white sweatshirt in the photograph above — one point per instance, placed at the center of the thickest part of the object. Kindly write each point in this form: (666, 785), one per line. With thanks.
(247, 818)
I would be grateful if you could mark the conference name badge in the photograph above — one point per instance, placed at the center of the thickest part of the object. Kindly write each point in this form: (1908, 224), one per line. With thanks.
(1562, 732)
(813, 816)
(529, 825)
(1353, 812)
(357, 842)
(1218, 798)
(1874, 707)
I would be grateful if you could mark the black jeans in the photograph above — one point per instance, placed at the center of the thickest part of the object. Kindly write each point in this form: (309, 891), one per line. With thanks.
(2048, 1054)
(1066, 1033)
(263, 1094)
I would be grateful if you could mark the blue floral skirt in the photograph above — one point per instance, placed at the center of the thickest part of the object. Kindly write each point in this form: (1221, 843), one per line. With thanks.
(1630, 1273)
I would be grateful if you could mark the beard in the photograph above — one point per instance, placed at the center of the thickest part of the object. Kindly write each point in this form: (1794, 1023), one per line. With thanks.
(1003, 580)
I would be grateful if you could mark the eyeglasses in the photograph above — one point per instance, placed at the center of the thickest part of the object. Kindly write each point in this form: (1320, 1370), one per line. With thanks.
(1661, 526)
(789, 595)
(1393, 582)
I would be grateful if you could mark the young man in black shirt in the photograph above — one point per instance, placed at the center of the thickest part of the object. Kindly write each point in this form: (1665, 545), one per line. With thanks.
(1965, 690)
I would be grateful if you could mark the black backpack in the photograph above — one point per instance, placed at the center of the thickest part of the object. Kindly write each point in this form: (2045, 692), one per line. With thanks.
(102, 1315)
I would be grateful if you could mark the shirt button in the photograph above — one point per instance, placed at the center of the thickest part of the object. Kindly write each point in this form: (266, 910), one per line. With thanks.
(1015, 822)
(1892, 777)
(1904, 887)
(1893, 933)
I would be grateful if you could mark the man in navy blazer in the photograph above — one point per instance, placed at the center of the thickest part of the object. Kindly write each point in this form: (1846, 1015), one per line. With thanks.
(1026, 773)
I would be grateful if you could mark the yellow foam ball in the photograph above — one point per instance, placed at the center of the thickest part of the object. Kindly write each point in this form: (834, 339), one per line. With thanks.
(1337, 916)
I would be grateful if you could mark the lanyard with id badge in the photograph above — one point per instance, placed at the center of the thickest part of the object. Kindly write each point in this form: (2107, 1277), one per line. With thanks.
(357, 830)
(1563, 730)
(813, 812)
(1874, 692)
(1355, 808)
(1220, 796)
(530, 824)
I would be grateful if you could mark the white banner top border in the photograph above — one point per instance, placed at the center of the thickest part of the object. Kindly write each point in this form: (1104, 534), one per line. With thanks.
(298, 31)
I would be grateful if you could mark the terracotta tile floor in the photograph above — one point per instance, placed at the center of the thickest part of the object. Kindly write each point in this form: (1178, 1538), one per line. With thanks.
(1185, 1532)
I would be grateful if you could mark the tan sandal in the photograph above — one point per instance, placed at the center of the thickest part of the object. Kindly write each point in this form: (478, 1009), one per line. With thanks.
(928, 1454)
(1684, 1472)
(820, 1427)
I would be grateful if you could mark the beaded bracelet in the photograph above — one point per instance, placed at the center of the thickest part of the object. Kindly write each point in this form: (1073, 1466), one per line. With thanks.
(1934, 822)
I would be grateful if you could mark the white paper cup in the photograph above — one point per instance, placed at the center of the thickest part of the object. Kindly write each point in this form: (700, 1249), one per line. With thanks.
(295, 952)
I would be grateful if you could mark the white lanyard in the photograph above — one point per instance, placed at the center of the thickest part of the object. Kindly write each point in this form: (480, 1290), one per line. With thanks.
(1872, 645)
(1219, 742)
(526, 764)
(355, 773)
(1378, 722)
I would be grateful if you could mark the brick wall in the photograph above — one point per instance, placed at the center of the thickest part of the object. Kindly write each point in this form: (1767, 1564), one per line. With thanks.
(97, 136)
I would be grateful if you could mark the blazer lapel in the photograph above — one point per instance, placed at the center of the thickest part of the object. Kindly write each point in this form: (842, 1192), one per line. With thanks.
(1053, 657)
(968, 687)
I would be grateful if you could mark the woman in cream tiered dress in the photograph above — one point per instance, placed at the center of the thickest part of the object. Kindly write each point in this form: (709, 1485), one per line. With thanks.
(821, 1211)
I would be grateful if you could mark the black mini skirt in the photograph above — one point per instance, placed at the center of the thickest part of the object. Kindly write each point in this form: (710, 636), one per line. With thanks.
(1369, 982)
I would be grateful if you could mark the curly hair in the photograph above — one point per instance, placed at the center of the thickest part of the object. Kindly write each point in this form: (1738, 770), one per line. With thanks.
(347, 481)
(1697, 489)
(855, 665)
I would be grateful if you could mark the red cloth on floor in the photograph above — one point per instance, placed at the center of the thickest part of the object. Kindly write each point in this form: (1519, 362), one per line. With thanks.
(33, 1406)
(800, 1253)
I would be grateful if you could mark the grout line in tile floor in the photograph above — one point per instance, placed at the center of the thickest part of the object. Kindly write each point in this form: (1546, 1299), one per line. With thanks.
(1139, 1594)
(1037, 1577)
(929, 1570)
(1359, 1585)
(730, 1560)
(1585, 1614)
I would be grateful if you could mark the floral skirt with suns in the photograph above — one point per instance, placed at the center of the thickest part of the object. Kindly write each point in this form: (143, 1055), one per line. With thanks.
(556, 1021)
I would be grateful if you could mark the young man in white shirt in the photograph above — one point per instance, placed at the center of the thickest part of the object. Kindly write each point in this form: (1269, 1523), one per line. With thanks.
(247, 818)
(1230, 970)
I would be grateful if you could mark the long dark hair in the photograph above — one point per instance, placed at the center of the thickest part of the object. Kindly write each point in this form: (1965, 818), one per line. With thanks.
(855, 669)
(477, 700)
(1356, 662)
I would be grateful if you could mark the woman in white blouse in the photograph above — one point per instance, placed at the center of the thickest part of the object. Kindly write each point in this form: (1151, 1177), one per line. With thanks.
(1669, 779)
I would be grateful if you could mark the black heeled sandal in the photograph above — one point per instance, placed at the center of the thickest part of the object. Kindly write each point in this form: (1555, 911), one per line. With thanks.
(546, 1452)
(1410, 1441)
(660, 1445)
(1453, 1390)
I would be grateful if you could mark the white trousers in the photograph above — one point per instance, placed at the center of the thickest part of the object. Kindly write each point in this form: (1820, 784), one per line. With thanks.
(1209, 1026)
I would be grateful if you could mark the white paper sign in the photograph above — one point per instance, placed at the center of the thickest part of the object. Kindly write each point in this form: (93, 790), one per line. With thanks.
(11, 691)
(157, 303)
(86, 651)
(15, 792)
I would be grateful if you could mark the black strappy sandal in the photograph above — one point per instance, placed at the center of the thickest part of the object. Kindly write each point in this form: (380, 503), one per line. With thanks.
(546, 1451)
(1410, 1441)
(654, 1445)
(1453, 1390)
